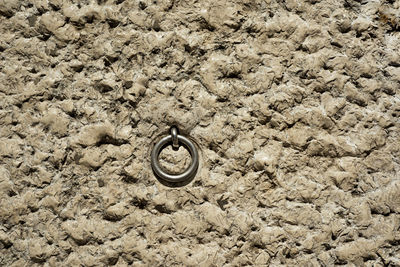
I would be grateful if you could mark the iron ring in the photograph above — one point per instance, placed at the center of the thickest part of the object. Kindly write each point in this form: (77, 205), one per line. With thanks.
(189, 173)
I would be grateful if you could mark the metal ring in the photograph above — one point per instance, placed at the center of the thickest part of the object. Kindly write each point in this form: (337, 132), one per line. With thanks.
(174, 178)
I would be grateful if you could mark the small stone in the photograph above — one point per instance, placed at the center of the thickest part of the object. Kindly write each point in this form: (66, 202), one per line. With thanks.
(116, 212)
(77, 230)
(215, 217)
(76, 65)
(43, 176)
(93, 134)
(344, 180)
(67, 33)
(386, 200)
(356, 250)
(8, 7)
(132, 173)
(187, 224)
(298, 136)
(5, 182)
(262, 259)
(5, 241)
(395, 73)
(39, 251)
(344, 25)
(50, 202)
(268, 157)
(361, 24)
(332, 105)
(57, 123)
(379, 161)
(93, 157)
(10, 147)
(51, 21)
(58, 156)
(135, 92)
(353, 95)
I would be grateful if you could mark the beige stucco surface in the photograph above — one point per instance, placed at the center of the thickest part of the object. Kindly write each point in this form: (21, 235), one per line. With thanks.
(294, 106)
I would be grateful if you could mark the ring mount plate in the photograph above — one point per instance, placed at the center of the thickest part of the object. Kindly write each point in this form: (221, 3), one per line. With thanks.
(189, 173)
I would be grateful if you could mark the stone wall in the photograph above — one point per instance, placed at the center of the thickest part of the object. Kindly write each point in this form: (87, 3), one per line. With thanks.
(294, 106)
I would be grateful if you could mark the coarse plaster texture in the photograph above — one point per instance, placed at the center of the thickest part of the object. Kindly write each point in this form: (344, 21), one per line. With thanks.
(294, 106)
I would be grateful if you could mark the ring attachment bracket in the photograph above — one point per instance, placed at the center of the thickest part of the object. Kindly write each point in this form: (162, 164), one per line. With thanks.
(176, 140)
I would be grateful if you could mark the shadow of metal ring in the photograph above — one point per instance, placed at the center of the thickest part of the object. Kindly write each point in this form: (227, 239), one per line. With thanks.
(188, 174)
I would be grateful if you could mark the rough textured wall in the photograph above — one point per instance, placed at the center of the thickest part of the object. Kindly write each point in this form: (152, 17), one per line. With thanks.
(294, 105)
